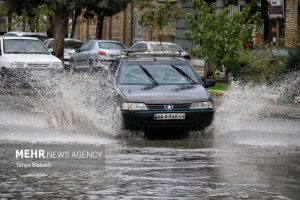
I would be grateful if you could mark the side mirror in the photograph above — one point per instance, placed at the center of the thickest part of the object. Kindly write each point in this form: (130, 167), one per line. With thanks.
(53, 53)
(209, 83)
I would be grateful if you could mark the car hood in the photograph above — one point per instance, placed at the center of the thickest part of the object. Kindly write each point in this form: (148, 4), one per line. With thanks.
(32, 58)
(164, 93)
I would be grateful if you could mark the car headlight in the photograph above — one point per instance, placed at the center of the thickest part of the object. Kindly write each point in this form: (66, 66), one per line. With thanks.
(19, 64)
(134, 106)
(202, 105)
(56, 65)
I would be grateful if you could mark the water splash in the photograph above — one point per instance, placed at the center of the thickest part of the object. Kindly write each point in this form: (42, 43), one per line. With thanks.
(259, 114)
(79, 102)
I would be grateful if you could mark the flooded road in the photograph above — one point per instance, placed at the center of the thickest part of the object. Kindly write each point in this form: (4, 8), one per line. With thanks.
(251, 151)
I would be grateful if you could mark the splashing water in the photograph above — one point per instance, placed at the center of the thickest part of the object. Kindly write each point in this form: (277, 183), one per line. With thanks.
(83, 102)
(259, 115)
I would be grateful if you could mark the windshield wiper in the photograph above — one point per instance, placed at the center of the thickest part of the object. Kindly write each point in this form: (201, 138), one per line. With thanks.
(149, 75)
(180, 71)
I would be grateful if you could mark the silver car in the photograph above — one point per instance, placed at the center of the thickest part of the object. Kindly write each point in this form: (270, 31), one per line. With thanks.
(159, 47)
(94, 53)
(70, 46)
(22, 54)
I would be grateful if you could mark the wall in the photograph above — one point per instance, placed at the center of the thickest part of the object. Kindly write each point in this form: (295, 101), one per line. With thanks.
(292, 24)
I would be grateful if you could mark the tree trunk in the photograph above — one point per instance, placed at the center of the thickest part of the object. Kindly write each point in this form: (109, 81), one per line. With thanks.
(74, 21)
(67, 27)
(9, 20)
(50, 30)
(60, 18)
(99, 27)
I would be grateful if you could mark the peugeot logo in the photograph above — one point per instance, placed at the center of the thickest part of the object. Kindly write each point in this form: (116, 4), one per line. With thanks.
(169, 107)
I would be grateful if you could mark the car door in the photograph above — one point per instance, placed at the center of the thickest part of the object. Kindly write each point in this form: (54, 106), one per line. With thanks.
(78, 58)
(89, 54)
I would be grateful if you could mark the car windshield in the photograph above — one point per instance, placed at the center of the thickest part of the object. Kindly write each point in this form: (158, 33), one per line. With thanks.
(156, 74)
(111, 45)
(24, 46)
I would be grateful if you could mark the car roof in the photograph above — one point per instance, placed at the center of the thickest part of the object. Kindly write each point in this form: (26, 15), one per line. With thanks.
(96, 40)
(153, 58)
(18, 37)
(20, 33)
(155, 42)
(67, 39)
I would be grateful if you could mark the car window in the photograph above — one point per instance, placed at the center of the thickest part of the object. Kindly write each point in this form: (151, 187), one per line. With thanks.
(24, 46)
(41, 37)
(111, 45)
(50, 44)
(83, 47)
(136, 46)
(140, 46)
(171, 47)
(10, 34)
(161, 73)
(70, 44)
(91, 46)
(165, 47)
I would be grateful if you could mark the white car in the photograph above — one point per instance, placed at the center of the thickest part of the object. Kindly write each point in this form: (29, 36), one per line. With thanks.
(159, 47)
(21, 54)
(70, 46)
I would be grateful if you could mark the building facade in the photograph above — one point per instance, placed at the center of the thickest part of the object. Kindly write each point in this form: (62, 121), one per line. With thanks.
(283, 31)
(118, 27)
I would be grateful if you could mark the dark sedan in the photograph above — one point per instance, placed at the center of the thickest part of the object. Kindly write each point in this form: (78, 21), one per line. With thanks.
(162, 92)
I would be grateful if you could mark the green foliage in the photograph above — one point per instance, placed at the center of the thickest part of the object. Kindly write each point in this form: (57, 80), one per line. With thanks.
(158, 15)
(219, 86)
(219, 36)
(293, 60)
(107, 7)
(255, 67)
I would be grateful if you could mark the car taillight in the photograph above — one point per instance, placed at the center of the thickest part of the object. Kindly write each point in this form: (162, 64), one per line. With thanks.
(102, 53)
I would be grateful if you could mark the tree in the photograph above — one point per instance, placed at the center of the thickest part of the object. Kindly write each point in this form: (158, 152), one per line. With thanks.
(158, 15)
(61, 10)
(219, 37)
(102, 9)
(26, 9)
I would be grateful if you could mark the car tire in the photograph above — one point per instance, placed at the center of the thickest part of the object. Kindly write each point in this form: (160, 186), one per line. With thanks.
(91, 66)
(66, 67)
(71, 66)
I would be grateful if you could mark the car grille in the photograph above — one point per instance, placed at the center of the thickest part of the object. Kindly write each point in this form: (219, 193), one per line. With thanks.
(162, 106)
(38, 65)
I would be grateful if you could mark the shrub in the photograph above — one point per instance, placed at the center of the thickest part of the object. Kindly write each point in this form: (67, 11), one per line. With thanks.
(292, 61)
(254, 66)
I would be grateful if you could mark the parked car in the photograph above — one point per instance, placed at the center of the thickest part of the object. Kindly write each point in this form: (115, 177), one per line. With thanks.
(161, 92)
(22, 54)
(164, 47)
(70, 46)
(93, 53)
(40, 36)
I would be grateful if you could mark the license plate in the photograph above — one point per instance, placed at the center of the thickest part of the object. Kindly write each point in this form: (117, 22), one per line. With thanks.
(169, 116)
